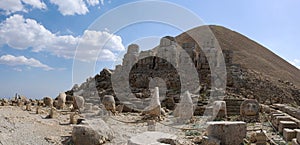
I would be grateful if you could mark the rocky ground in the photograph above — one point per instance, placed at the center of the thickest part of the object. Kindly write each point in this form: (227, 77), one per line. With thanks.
(18, 126)
(25, 127)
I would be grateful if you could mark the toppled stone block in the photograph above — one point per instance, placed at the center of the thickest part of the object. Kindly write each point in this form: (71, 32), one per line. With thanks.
(288, 134)
(109, 103)
(229, 133)
(153, 138)
(286, 124)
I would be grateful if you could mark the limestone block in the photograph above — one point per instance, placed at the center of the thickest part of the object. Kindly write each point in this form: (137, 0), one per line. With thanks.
(286, 124)
(229, 133)
(288, 134)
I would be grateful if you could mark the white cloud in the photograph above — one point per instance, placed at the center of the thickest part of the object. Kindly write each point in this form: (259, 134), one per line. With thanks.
(12, 6)
(22, 60)
(71, 7)
(92, 2)
(20, 33)
(296, 63)
(36, 4)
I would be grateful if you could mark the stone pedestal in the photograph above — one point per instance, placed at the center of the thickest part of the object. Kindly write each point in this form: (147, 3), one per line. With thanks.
(286, 124)
(229, 133)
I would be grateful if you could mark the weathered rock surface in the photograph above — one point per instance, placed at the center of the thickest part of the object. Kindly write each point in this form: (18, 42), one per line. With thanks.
(153, 138)
(96, 132)
(229, 133)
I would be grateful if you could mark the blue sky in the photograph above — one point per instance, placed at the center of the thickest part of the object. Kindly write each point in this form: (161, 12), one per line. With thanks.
(38, 38)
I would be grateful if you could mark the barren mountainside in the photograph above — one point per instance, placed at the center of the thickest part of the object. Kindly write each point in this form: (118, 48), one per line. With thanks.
(251, 55)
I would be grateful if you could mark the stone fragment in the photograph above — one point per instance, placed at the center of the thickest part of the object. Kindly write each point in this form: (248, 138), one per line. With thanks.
(61, 100)
(219, 111)
(229, 133)
(95, 133)
(288, 134)
(78, 103)
(261, 138)
(210, 141)
(152, 138)
(154, 107)
(109, 103)
(74, 118)
(53, 113)
(48, 101)
(151, 125)
(28, 107)
(286, 124)
(185, 109)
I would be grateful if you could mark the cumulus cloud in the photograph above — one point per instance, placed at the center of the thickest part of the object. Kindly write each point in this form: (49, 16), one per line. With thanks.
(296, 63)
(12, 6)
(22, 60)
(20, 33)
(71, 7)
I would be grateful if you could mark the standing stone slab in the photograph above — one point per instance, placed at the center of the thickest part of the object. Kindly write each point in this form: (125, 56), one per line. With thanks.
(229, 133)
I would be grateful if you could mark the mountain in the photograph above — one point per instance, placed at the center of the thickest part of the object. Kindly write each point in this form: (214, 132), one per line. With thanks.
(251, 55)
(253, 71)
